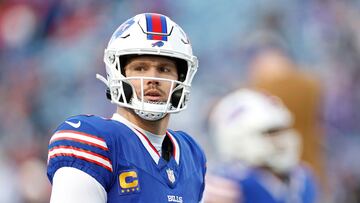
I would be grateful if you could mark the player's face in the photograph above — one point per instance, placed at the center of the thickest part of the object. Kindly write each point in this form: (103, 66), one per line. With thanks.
(274, 135)
(152, 66)
(286, 149)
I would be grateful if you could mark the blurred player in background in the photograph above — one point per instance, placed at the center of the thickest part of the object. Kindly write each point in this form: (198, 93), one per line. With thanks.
(273, 70)
(133, 157)
(260, 152)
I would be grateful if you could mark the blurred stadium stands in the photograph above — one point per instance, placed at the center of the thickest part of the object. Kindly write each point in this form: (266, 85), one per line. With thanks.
(51, 50)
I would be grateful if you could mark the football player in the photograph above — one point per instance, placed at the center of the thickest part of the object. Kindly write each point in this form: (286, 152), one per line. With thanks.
(133, 157)
(260, 152)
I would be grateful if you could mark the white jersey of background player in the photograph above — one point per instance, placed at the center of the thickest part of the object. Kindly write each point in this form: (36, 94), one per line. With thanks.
(259, 152)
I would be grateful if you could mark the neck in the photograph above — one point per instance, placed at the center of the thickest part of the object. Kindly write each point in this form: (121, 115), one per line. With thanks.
(158, 127)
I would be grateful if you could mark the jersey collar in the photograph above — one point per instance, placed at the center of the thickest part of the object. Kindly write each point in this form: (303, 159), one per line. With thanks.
(146, 142)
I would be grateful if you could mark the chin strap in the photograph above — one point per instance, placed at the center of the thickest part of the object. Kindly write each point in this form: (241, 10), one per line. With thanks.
(150, 116)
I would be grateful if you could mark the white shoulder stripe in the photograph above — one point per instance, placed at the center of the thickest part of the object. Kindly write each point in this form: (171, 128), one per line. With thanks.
(82, 154)
(79, 137)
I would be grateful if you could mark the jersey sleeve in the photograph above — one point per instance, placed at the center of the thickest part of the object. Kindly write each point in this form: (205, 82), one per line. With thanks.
(76, 143)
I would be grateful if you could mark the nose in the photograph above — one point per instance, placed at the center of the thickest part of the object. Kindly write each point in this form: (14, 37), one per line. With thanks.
(152, 82)
(152, 72)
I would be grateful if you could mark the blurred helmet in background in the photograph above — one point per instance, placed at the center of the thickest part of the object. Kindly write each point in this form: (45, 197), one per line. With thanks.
(255, 128)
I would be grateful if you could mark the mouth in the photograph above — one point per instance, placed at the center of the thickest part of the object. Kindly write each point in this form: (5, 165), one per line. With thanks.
(153, 96)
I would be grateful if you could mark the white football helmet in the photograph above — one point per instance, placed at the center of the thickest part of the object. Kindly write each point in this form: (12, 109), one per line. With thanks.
(242, 123)
(149, 34)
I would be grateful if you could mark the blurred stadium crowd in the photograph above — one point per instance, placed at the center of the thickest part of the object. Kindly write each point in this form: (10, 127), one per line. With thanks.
(51, 50)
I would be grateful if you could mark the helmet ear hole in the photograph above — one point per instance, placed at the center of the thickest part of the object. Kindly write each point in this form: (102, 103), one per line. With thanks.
(175, 98)
(127, 91)
(182, 68)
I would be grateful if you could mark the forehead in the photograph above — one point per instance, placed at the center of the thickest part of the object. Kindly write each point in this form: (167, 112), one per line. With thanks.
(152, 59)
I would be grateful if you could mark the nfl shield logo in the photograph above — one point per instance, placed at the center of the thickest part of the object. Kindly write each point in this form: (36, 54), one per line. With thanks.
(171, 175)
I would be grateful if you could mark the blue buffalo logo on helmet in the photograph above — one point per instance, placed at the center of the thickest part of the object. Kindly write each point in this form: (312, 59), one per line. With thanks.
(157, 44)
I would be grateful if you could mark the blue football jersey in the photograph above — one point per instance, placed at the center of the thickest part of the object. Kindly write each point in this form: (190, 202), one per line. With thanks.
(125, 163)
(260, 186)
